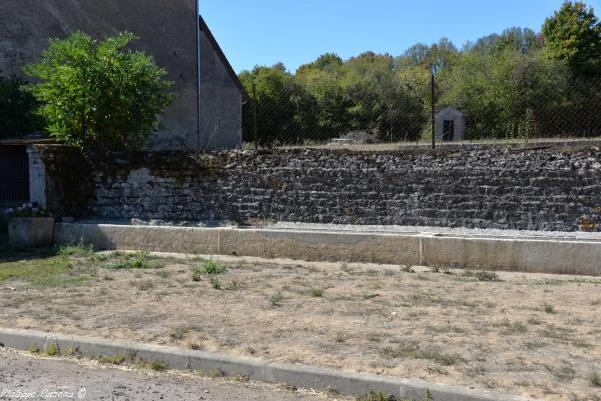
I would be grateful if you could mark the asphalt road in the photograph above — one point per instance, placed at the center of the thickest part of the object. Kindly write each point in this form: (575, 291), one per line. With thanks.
(23, 377)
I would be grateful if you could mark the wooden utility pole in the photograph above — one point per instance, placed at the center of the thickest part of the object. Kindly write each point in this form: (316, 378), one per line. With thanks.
(255, 125)
(433, 72)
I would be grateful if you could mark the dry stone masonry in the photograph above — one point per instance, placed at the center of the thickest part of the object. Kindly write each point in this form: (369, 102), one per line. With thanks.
(486, 188)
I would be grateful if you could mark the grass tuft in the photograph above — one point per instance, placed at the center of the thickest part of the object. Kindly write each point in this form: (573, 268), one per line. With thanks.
(276, 299)
(116, 359)
(52, 350)
(376, 396)
(196, 274)
(481, 275)
(159, 366)
(78, 251)
(407, 269)
(215, 283)
(412, 350)
(140, 260)
(594, 379)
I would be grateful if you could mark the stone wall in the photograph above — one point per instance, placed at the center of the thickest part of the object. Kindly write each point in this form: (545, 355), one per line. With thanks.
(488, 188)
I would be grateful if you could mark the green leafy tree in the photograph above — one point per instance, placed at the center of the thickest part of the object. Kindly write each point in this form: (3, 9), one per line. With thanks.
(99, 93)
(17, 107)
(519, 39)
(278, 102)
(326, 114)
(506, 94)
(361, 94)
(573, 35)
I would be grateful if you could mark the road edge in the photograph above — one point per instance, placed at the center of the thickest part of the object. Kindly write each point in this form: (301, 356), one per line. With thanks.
(256, 369)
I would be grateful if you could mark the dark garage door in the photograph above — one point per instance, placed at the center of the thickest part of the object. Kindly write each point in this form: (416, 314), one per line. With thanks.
(14, 175)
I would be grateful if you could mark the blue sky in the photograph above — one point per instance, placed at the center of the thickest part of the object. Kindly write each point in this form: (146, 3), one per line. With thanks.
(264, 32)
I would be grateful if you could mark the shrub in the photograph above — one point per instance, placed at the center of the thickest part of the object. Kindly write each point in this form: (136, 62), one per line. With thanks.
(99, 93)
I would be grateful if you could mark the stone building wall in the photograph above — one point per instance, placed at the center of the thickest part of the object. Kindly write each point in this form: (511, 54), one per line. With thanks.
(488, 188)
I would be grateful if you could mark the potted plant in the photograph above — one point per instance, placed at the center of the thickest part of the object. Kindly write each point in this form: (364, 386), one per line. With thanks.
(30, 226)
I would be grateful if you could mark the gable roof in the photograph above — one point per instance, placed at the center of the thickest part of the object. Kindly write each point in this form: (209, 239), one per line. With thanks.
(450, 110)
(217, 49)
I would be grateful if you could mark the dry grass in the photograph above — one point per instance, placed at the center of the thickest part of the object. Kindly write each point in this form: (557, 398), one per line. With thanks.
(531, 335)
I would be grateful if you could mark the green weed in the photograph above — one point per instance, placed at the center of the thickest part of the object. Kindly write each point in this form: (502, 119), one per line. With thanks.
(52, 350)
(211, 267)
(79, 251)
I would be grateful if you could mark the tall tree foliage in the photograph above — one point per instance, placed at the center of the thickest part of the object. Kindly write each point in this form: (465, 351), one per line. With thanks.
(514, 84)
(17, 108)
(573, 35)
(277, 98)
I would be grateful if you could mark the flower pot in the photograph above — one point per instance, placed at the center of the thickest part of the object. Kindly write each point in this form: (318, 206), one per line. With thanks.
(31, 231)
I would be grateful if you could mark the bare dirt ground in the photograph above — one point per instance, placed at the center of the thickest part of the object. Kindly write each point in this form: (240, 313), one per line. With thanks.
(528, 334)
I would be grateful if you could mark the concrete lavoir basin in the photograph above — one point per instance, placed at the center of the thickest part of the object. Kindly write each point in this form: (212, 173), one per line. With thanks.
(30, 231)
(542, 253)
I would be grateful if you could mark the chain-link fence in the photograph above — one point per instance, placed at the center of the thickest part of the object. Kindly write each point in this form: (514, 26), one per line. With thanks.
(478, 101)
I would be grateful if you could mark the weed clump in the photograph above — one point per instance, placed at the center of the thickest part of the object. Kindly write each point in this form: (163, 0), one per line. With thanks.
(481, 275)
(140, 260)
(196, 274)
(407, 269)
(158, 365)
(376, 396)
(211, 267)
(116, 359)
